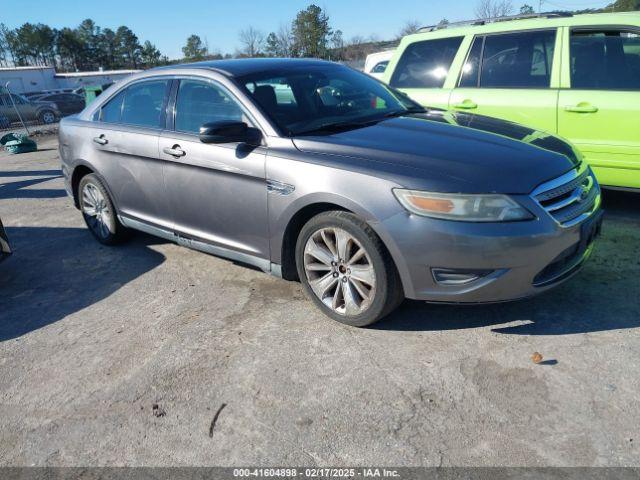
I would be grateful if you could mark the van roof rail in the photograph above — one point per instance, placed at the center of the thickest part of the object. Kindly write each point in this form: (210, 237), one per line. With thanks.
(485, 21)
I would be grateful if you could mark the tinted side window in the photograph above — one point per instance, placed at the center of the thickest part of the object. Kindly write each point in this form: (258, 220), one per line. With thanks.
(426, 64)
(518, 60)
(607, 60)
(202, 102)
(380, 67)
(19, 100)
(471, 69)
(143, 103)
(112, 110)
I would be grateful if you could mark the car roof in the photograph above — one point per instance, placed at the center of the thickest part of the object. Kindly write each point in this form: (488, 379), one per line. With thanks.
(239, 67)
(477, 27)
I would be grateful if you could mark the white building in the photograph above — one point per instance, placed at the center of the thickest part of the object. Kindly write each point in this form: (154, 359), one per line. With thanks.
(37, 79)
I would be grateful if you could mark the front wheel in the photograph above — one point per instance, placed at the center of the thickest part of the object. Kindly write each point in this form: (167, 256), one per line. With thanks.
(346, 270)
(98, 211)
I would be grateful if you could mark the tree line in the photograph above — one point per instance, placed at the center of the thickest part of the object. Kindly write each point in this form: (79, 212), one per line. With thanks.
(309, 34)
(84, 48)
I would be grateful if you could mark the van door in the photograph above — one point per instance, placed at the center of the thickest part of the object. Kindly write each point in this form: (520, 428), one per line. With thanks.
(600, 111)
(423, 69)
(511, 76)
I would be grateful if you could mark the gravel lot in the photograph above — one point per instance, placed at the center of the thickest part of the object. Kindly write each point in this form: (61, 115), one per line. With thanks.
(122, 356)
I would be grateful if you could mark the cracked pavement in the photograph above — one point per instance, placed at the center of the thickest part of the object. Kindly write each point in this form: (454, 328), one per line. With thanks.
(91, 338)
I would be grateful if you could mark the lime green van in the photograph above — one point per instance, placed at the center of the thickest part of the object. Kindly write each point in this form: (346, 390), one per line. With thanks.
(576, 76)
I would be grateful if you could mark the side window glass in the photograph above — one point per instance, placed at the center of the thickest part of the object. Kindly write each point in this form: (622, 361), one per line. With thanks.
(605, 60)
(380, 67)
(18, 99)
(143, 103)
(111, 111)
(201, 102)
(518, 60)
(426, 64)
(471, 68)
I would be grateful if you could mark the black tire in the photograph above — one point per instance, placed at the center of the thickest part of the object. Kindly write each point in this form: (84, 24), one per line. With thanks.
(388, 288)
(47, 117)
(115, 232)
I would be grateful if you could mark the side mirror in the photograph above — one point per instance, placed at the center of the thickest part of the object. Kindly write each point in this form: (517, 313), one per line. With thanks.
(229, 132)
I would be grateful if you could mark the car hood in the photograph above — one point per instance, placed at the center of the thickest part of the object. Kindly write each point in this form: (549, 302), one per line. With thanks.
(450, 152)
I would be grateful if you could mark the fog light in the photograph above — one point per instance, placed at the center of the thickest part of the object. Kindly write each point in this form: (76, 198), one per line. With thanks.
(449, 276)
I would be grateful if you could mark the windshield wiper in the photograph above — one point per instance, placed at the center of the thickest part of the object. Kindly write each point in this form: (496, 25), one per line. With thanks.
(400, 113)
(336, 127)
(351, 125)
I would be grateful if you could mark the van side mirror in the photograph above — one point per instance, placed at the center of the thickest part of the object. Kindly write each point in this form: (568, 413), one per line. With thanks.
(229, 132)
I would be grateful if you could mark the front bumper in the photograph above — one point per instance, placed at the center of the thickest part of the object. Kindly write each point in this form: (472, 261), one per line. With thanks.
(522, 258)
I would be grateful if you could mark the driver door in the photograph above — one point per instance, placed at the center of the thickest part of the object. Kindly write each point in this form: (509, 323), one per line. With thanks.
(217, 192)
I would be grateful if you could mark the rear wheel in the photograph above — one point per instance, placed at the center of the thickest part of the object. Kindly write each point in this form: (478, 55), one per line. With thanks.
(47, 117)
(98, 211)
(346, 270)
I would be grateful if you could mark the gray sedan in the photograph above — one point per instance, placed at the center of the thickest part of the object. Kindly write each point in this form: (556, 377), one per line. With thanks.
(310, 170)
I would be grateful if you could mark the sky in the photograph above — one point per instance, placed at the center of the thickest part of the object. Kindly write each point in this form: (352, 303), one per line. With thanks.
(167, 24)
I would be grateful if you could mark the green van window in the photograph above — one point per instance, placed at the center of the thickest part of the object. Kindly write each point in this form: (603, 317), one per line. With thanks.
(426, 64)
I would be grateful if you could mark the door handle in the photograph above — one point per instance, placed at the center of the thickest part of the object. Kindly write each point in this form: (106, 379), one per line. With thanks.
(101, 140)
(582, 107)
(174, 151)
(466, 105)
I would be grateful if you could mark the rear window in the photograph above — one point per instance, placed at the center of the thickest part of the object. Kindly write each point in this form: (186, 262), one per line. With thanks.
(426, 64)
(605, 60)
(111, 111)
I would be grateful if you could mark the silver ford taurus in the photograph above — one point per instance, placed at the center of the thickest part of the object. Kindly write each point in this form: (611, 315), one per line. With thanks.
(313, 171)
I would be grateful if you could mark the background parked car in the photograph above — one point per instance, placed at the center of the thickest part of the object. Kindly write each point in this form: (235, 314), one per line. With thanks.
(41, 112)
(576, 76)
(376, 63)
(67, 103)
(4, 121)
(5, 249)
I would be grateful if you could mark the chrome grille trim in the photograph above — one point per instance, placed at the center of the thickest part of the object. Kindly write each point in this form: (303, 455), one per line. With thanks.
(571, 198)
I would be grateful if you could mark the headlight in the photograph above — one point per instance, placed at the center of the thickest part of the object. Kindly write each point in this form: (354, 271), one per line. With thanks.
(461, 207)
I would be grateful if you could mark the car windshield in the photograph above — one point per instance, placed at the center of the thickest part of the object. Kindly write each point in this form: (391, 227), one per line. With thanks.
(324, 98)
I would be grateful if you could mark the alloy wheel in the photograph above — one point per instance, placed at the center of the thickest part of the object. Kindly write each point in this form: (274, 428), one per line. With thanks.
(48, 117)
(96, 210)
(340, 271)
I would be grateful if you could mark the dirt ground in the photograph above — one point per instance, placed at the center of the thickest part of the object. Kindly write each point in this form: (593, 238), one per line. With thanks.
(122, 356)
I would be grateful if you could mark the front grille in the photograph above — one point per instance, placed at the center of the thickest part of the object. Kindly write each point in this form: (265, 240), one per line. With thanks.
(570, 199)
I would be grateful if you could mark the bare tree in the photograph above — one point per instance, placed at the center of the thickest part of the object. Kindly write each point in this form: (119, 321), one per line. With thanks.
(252, 41)
(284, 39)
(412, 26)
(493, 9)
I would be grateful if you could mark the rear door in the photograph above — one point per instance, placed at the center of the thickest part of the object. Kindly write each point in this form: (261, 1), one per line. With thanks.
(512, 76)
(599, 111)
(124, 138)
(217, 192)
(423, 69)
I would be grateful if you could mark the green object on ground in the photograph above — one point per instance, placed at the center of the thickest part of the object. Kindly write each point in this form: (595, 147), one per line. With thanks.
(91, 92)
(18, 143)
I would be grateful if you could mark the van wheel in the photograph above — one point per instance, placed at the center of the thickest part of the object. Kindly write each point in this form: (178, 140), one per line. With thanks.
(98, 211)
(346, 270)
